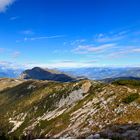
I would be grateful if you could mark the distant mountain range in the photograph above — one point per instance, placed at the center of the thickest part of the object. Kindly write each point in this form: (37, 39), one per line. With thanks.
(99, 73)
(95, 73)
(46, 74)
(9, 73)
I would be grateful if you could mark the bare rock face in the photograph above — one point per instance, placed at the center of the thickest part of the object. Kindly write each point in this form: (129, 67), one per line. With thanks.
(95, 136)
(45, 74)
(123, 132)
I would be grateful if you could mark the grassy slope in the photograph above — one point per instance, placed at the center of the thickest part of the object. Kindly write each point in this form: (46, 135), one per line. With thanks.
(102, 105)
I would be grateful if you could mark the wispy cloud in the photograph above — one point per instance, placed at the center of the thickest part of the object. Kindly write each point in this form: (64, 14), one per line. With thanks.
(27, 32)
(9, 53)
(137, 50)
(102, 38)
(66, 61)
(16, 54)
(62, 65)
(1, 50)
(91, 49)
(59, 64)
(77, 41)
(91, 61)
(39, 38)
(42, 37)
(14, 18)
(4, 4)
(124, 51)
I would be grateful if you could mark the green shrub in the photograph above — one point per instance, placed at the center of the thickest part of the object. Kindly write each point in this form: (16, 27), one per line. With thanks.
(127, 82)
(130, 98)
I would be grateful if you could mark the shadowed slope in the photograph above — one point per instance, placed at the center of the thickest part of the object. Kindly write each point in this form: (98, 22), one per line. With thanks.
(45, 74)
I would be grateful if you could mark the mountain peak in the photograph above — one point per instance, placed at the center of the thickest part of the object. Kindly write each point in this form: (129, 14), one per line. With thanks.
(37, 68)
(45, 74)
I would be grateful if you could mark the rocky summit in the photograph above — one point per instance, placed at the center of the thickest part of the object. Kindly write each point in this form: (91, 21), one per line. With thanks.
(80, 109)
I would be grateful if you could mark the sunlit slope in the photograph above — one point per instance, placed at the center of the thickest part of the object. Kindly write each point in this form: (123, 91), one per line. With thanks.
(74, 109)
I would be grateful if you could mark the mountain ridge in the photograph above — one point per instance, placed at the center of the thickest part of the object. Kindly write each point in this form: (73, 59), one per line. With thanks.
(78, 109)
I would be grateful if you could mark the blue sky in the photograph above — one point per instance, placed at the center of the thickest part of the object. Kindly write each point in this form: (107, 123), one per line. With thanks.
(69, 33)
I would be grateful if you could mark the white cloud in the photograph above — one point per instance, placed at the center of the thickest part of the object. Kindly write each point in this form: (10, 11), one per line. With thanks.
(51, 65)
(62, 65)
(89, 49)
(11, 65)
(16, 66)
(4, 4)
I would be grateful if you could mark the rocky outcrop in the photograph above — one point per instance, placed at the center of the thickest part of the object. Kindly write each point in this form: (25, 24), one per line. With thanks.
(119, 132)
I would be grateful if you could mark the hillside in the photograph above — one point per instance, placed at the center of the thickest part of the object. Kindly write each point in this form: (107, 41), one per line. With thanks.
(45, 74)
(110, 80)
(85, 109)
